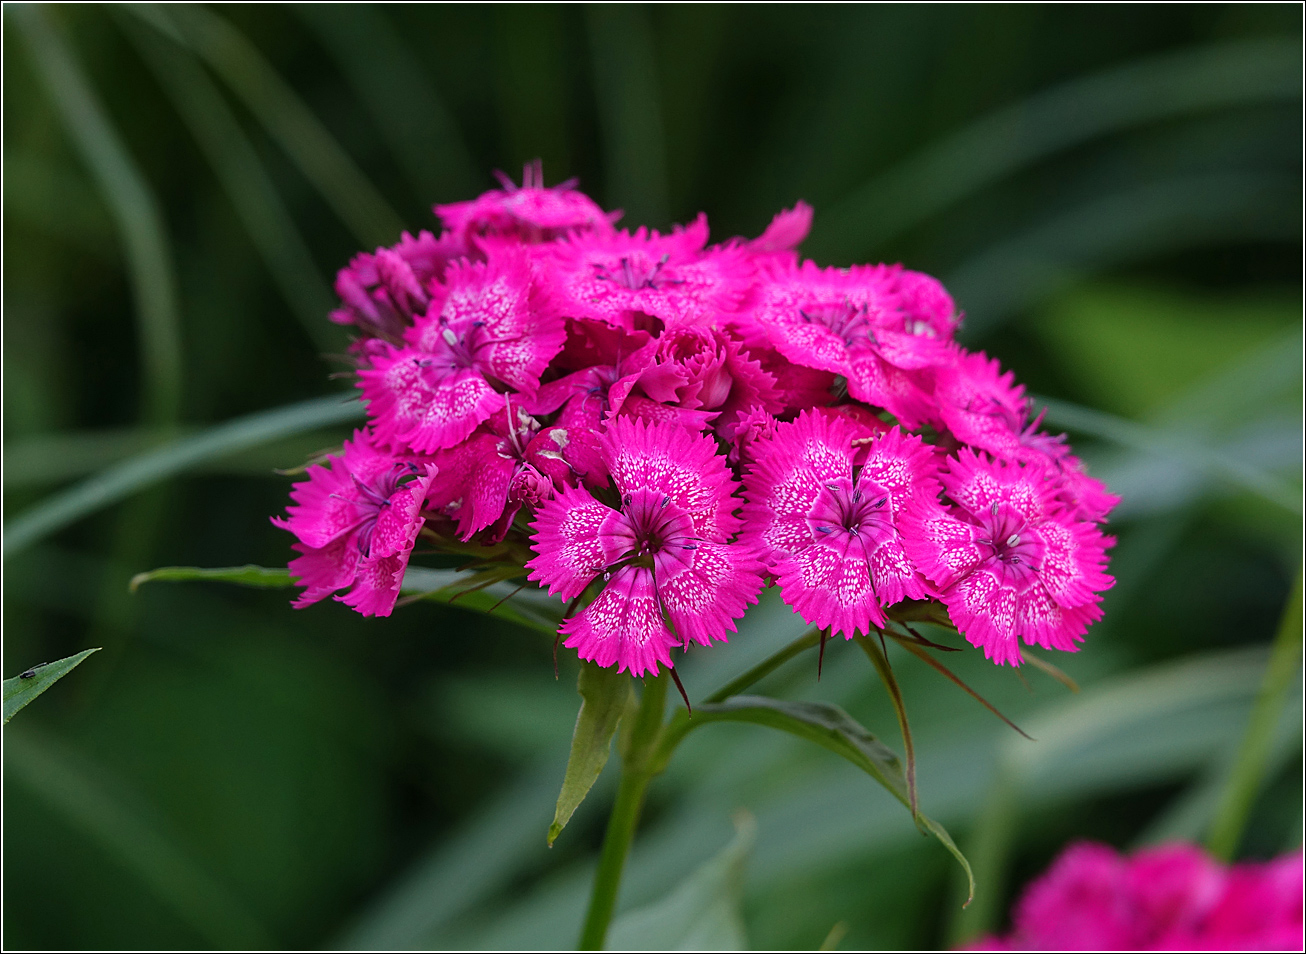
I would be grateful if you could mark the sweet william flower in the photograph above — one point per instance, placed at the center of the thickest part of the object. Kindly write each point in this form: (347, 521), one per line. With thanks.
(825, 499)
(491, 333)
(1170, 897)
(356, 519)
(669, 574)
(1008, 558)
(382, 293)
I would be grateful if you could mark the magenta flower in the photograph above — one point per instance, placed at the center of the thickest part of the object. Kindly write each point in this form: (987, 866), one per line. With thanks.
(356, 520)
(825, 500)
(662, 554)
(785, 233)
(1008, 558)
(1172, 897)
(382, 293)
(492, 333)
(667, 277)
(531, 213)
(853, 322)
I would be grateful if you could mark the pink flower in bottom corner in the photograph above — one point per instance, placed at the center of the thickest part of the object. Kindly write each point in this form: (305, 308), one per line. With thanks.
(356, 519)
(662, 553)
(1171, 897)
(825, 497)
(1009, 559)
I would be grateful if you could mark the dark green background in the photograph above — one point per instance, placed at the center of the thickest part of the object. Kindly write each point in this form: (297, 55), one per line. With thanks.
(229, 771)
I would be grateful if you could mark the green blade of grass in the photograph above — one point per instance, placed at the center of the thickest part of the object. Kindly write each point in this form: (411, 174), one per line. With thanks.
(241, 173)
(1244, 72)
(290, 123)
(157, 465)
(133, 205)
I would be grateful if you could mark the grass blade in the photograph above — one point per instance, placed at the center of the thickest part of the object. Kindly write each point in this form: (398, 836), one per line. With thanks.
(144, 470)
(393, 84)
(23, 688)
(133, 204)
(1244, 72)
(286, 118)
(1041, 664)
(1254, 753)
(241, 173)
(247, 575)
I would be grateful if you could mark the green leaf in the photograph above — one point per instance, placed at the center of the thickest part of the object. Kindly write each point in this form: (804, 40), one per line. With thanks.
(832, 728)
(22, 689)
(144, 470)
(605, 696)
(247, 575)
(875, 652)
(702, 913)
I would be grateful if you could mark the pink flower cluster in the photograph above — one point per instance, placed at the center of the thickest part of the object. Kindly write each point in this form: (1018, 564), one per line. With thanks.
(670, 425)
(1172, 897)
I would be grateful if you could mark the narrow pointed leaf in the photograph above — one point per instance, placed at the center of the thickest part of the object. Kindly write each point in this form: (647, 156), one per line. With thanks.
(1038, 662)
(247, 575)
(605, 694)
(831, 728)
(881, 663)
(22, 689)
(922, 654)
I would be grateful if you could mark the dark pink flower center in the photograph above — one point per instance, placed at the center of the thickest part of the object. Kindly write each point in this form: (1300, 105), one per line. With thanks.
(861, 510)
(1007, 541)
(636, 271)
(848, 321)
(375, 496)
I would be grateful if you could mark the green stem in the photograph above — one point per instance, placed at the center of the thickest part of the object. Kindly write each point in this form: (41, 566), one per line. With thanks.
(1249, 769)
(636, 772)
(767, 666)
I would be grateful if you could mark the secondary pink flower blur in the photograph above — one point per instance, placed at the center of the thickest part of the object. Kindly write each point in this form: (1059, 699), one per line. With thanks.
(1172, 897)
(1009, 559)
(356, 520)
(826, 495)
(663, 550)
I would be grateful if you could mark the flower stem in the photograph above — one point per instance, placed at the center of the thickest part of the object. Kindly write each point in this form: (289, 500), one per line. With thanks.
(636, 773)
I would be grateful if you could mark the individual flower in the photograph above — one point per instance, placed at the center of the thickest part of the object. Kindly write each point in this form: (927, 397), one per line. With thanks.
(356, 519)
(492, 333)
(1008, 558)
(381, 293)
(669, 574)
(1170, 897)
(530, 213)
(616, 278)
(825, 500)
(852, 322)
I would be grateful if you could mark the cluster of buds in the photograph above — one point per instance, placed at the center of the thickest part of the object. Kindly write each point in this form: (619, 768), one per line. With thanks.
(654, 428)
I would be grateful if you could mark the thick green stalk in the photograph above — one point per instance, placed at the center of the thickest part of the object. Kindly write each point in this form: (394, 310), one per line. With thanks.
(636, 772)
(1253, 754)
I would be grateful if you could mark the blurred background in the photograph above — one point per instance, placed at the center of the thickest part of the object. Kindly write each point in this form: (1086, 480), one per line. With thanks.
(1113, 196)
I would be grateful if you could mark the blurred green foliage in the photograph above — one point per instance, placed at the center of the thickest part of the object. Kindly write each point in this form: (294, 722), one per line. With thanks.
(1111, 193)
